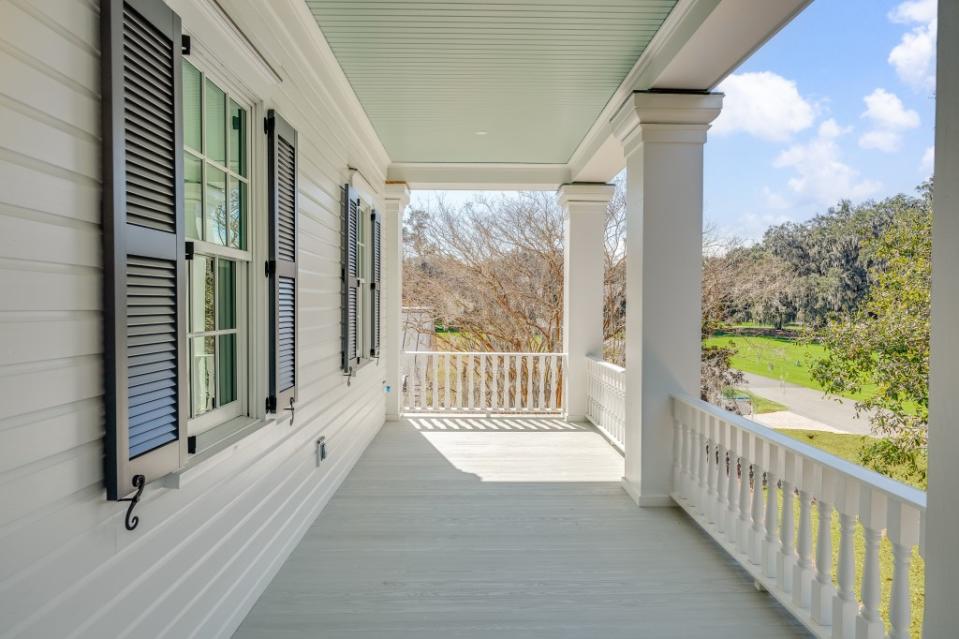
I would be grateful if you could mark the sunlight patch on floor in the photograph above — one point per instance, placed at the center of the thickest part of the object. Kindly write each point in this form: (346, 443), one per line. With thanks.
(522, 450)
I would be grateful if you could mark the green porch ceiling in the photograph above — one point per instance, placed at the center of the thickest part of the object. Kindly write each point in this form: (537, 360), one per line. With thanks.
(509, 81)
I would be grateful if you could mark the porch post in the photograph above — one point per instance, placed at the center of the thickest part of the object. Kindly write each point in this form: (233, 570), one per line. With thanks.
(663, 135)
(396, 198)
(942, 516)
(584, 222)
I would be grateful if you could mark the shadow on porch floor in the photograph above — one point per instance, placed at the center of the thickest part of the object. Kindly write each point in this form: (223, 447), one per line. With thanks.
(504, 528)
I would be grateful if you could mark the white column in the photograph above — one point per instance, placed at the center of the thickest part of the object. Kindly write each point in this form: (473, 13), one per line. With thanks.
(584, 214)
(395, 199)
(942, 525)
(663, 136)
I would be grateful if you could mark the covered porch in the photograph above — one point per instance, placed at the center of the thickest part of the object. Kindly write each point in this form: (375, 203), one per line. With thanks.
(356, 490)
(467, 526)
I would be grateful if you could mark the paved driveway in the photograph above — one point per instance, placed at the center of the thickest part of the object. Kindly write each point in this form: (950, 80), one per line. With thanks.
(810, 404)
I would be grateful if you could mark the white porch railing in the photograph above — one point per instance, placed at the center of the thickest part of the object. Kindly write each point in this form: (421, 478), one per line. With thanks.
(483, 382)
(721, 464)
(606, 399)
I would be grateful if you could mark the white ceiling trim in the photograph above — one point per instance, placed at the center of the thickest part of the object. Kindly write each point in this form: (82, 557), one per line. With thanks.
(315, 59)
(685, 17)
(700, 43)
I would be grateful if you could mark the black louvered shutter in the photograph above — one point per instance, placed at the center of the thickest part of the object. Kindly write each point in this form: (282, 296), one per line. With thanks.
(282, 266)
(350, 272)
(144, 269)
(376, 295)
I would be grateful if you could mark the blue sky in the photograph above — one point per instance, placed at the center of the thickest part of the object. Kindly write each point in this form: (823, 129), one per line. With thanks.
(839, 104)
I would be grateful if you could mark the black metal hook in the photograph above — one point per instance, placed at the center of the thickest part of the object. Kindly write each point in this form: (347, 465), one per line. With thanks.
(139, 481)
(292, 410)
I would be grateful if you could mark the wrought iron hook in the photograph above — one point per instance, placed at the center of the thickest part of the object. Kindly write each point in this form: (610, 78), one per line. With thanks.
(292, 410)
(139, 481)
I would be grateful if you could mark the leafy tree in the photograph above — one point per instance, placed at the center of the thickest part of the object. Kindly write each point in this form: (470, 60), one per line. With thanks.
(885, 341)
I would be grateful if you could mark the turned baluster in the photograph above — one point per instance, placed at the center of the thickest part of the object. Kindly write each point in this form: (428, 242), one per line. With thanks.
(695, 446)
(710, 446)
(822, 589)
(771, 542)
(786, 560)
(721, 452)
(903, 531)
(677, 450)
(703, 466)
(758, 531)
(872, 514)
(686, 453)
(844, 604)
(803, 570)
(732, 487)
(743, 526)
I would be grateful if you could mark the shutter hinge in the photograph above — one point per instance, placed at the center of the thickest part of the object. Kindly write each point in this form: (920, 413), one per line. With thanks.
(185, 44)
(268, 123)
(190, 250)
(271, 404)
(270, 268)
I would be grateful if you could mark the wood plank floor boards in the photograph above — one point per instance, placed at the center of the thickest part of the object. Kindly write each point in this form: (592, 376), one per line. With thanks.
(483, 528)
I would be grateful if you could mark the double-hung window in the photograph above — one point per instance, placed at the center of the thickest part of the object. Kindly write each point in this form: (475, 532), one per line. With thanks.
(363, 277)
(183, 350)
(361, 281)
(216, 168)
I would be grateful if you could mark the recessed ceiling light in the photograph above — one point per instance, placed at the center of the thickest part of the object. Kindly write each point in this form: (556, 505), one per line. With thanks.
(481, 133)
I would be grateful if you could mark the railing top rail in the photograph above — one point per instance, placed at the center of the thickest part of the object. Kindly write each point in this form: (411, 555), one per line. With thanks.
(602, 362)
(890, 487)
(477, 353)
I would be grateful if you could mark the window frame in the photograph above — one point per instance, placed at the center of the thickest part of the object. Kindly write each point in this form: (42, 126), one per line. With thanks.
(364, 276)
(211, 431)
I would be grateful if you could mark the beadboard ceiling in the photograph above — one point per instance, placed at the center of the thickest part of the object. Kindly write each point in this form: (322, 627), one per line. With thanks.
(505, 81)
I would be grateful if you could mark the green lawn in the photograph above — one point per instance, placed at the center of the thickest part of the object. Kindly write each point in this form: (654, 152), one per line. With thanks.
(760, 404)
(847, 447)
(778, 358)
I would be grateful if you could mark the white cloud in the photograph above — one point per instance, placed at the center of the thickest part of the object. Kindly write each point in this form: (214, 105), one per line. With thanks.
(927, 165)
(774, 200)
(831, 129)
(889, 118)
(914, 11)
(886, 141)
(887, 111)
(821, 177)
(763, 104)
(750, 227)
(914, 58)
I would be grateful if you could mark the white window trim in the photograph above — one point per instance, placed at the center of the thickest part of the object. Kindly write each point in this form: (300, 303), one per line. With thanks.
(228, 426)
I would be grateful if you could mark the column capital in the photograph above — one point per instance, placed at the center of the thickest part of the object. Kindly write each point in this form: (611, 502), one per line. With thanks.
(655, 116)
(397, 192)
(590, 194)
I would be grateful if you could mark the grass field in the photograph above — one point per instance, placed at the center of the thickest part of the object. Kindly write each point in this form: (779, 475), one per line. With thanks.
(778, 358)
(847, 447)
(760, 404)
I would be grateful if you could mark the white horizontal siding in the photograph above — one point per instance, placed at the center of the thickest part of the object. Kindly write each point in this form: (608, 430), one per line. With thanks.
(203, 552)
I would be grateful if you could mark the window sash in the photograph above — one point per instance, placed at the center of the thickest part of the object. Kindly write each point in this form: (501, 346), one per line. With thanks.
(206, 162)
(242, 257)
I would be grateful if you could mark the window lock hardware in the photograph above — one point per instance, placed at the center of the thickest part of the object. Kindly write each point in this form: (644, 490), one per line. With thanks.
(132, 520)
(320, 450)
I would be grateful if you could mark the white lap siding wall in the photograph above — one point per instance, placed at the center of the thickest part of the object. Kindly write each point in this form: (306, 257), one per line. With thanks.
(204, 551)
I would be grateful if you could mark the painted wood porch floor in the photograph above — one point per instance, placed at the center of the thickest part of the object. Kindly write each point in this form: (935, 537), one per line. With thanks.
(508, 527)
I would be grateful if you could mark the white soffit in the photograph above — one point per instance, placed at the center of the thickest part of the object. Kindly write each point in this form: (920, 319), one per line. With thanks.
(518, 82)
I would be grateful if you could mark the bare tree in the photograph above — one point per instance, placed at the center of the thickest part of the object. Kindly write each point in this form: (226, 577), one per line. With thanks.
(493, 270)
